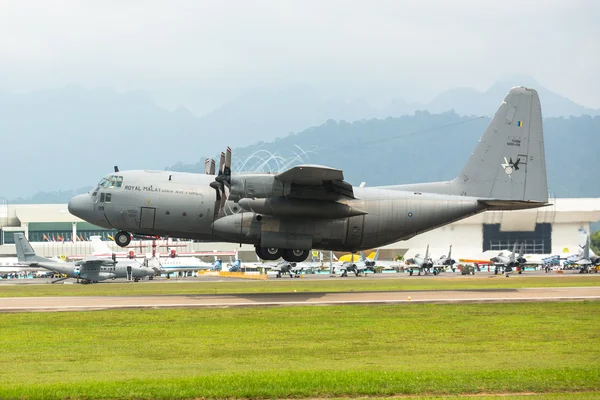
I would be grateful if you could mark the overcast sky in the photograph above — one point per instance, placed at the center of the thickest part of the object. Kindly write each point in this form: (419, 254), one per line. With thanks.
(201, 53)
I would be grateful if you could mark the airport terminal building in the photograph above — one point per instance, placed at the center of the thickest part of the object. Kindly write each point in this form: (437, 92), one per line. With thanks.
(548, 230)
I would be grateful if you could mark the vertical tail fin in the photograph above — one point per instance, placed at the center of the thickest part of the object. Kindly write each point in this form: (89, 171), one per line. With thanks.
(522, 249)
(450, 253)
(586, 248)
(426, 254)
(509, 161)
(26, 253)
(99, 247)
(513, 254)
(362, 257)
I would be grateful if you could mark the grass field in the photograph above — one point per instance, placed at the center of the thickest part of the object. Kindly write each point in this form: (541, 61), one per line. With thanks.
(300, 285)
(417, 349)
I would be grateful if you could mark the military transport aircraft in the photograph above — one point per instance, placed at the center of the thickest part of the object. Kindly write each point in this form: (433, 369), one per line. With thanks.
(287, 214)
(90, 270)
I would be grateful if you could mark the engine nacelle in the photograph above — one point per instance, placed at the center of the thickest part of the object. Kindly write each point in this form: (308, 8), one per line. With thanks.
(256, 186)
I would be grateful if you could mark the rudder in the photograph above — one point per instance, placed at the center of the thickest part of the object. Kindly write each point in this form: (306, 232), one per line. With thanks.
(509, 160)
(25, 252)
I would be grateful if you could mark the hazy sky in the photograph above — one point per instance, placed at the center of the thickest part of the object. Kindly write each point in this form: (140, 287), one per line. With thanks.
(202, 53)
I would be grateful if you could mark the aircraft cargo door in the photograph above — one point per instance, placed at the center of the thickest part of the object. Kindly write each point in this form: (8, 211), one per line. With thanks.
(147, 218)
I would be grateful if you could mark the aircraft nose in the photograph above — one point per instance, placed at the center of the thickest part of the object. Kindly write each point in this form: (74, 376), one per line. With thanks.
(81, 206)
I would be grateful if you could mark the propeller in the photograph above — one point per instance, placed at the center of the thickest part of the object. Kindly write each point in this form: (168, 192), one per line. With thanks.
(223, 179)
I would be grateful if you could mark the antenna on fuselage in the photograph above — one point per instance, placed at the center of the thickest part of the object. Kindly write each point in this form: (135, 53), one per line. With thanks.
(116, 168)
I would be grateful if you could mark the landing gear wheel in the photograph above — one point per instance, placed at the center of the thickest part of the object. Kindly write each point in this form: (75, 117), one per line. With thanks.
(122, 239)
(295, 255)
(268, 253)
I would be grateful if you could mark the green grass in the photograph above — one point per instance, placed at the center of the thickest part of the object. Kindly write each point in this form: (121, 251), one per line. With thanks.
(300, 285)
(417, 349)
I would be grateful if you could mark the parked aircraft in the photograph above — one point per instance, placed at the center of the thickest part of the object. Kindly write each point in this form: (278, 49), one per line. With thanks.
(357, 267)
(168, 265)
(386, 264)
(585, 259)
(505, 262)
(90, 270)
(287, 214)
(423, 263)
(283, 268)
(445, 261)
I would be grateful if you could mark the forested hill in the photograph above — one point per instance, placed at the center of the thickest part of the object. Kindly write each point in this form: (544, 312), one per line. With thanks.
(422, 147)
(427, 147)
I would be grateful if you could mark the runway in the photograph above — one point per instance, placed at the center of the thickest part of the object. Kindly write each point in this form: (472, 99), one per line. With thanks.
(86, 303)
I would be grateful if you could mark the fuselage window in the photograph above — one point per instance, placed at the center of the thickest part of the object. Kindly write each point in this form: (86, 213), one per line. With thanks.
(107, 198)
(101, 197)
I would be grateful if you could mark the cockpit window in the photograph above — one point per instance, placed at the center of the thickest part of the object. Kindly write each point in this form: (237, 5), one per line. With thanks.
(112, 181)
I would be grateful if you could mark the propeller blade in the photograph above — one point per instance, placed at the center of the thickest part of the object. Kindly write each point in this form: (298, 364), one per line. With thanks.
(207, 166)
(222, 162)
(212, 166)
(217, 186)
(227, 170)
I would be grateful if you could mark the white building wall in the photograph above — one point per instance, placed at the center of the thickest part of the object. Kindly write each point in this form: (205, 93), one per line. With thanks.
(565, 237)
(465, 240)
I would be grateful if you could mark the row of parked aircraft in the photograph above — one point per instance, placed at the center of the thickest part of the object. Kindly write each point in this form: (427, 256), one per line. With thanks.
(105, 264)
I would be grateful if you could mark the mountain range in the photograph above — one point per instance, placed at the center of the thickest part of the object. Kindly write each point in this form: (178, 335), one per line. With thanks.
(56, 140)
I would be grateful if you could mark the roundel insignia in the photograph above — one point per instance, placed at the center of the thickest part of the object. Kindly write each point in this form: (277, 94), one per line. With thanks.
(148, 201)
(410, 214)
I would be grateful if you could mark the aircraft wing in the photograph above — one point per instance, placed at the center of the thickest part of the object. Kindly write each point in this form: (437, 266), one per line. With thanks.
(316, 182)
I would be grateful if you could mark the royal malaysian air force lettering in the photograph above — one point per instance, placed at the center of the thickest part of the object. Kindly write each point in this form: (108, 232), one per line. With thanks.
(312, 207)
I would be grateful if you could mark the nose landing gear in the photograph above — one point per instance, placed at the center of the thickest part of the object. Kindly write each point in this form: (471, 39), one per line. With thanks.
(122, 239)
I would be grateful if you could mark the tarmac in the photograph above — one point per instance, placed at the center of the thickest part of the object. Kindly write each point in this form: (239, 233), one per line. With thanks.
(87, 303)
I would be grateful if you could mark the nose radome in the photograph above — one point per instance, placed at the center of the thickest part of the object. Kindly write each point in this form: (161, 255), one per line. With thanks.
(81, 206)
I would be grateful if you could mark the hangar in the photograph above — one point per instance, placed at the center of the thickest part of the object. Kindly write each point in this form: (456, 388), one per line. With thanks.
(548, 230)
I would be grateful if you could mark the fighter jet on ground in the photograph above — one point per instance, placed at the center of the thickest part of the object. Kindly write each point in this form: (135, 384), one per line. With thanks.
(445, 261)
(506, 262)
(88, 271)
(357, 267)
(385, 264)
(424, 264)
(585, 259)
(287, 214)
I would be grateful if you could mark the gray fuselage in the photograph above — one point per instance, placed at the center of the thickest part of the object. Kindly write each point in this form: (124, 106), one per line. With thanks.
(98, 272)
(183, 205)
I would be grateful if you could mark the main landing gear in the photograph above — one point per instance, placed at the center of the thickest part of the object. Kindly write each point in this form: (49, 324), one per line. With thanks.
(273, 253)
(122, 239)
